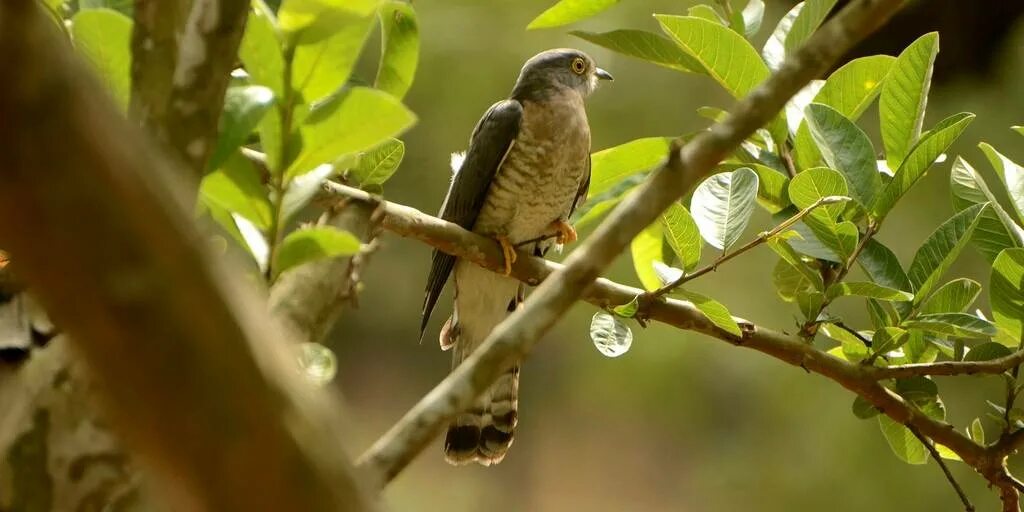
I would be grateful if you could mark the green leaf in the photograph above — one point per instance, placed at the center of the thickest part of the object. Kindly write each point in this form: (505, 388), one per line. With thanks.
(887, 339)
(809, 186)
(866, 289)
(977, 432)
(646, 249)
(682, 235)
(706, 12)
(841, 238)
(847, 149)
(723, 54)
(610, 166)
(753, 15)
(918, 390)
(904, 97)
(378, 164)
(864, 409)
(849, 91)
(644, 45)
(722, 206)
(852, 348)
(244, 108)
(1006, 292)
(611, 337)
(236, 187)
(921, 157)
(790, 281)
(786, 252)
(794, 29)
(260, 51)
(322, 65)
(940, 250)
(714, 310)
(1011, 174)
(356, 120)
(400, 34)
(986, 352)
(301, 189)
(810, 304)
(772, 185)
(320, 16)
(314, 243)
(882, 266)
(953, 324)
(629, 309)
(996, 229)
(569, 11)
(953, 297)
(819, 242)
(104, 36)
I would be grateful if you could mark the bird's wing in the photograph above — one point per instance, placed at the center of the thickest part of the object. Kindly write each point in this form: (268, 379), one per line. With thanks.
(581, 194)
(491, 141)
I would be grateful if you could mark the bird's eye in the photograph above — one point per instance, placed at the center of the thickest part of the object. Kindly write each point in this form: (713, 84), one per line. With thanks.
(578, 66)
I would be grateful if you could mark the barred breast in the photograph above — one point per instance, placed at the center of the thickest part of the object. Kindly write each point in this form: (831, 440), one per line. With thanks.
(541, 174)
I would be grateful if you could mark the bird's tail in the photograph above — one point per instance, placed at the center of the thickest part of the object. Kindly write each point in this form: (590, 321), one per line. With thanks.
(483, 433)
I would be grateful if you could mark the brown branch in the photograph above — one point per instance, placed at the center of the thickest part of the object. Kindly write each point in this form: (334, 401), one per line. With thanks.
(155, 31)
(206, 55)
(992, 366)
(193, 375)
(450, 238)
(686, 166)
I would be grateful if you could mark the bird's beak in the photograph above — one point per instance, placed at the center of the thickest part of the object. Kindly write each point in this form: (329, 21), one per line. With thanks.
(603, 75)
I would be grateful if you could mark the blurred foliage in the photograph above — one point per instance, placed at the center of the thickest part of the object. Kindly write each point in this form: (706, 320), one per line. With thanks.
(832, 177)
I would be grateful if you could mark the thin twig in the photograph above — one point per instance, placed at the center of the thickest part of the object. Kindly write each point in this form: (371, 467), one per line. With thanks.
(758, 240)
(930, 446)
(852, 331)
(992, 366)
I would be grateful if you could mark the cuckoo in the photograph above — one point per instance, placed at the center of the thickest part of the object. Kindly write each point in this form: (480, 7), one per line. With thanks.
(527, 168)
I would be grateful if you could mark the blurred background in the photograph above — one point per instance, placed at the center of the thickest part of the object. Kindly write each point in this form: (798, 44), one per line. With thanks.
(681, 422)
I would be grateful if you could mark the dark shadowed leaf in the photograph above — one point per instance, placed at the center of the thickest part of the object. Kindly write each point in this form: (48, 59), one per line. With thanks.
(846, 148)
(244, 108)
(987, 351)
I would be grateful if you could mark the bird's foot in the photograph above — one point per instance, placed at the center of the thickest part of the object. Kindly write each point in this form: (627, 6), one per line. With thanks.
(509, 251)
(566, 234)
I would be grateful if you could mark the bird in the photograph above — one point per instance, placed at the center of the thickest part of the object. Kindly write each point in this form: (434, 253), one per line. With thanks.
(526, 170)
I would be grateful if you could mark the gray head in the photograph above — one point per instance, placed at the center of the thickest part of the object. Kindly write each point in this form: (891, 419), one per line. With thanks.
(554, 71)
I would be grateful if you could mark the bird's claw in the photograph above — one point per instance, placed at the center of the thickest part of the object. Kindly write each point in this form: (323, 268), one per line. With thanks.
(566, 234)
(508, 250)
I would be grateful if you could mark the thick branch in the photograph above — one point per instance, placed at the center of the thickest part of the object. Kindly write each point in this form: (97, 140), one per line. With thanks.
(206, 55)
(450, 238)
(195, 378)
(514, 337)
(992, 366)
(154, 52)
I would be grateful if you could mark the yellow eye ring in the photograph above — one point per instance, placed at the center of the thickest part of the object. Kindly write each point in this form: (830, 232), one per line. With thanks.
(578, 66)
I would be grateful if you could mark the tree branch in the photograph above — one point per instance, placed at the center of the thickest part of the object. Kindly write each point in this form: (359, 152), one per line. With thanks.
(992, 366)
(452, 239)
(186, 362)
(154, 51)
(686, 166)
(206, 55)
